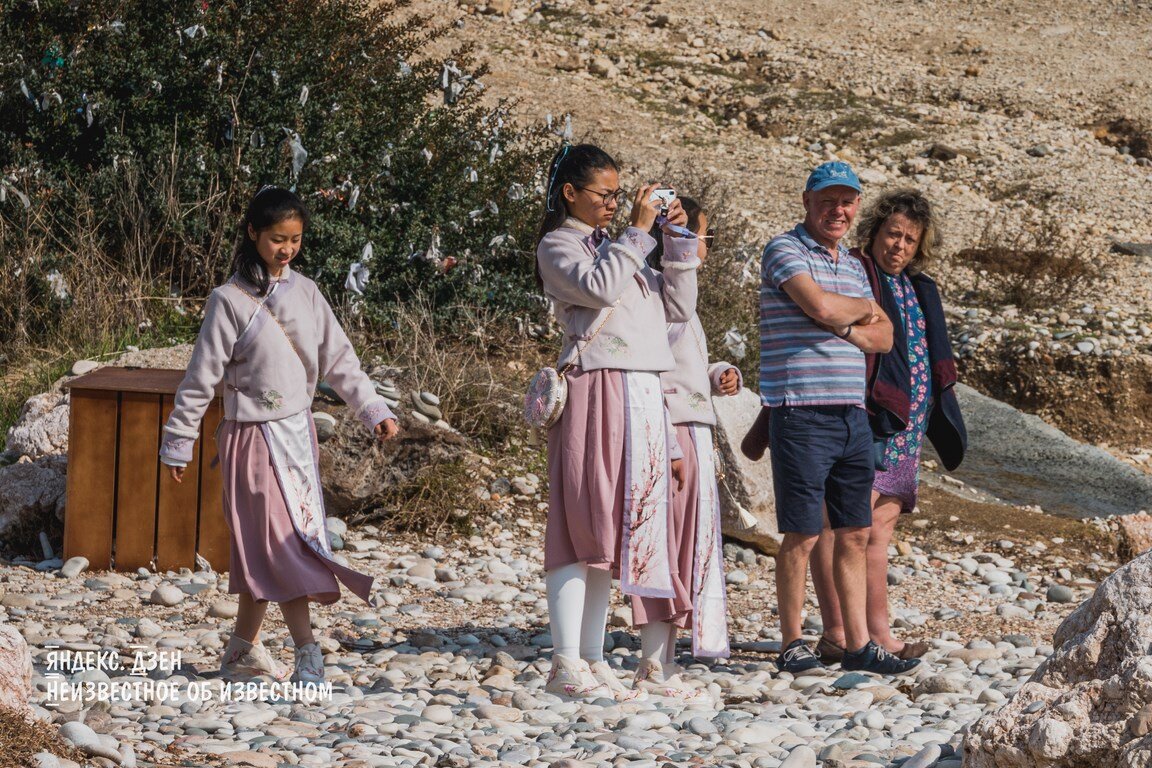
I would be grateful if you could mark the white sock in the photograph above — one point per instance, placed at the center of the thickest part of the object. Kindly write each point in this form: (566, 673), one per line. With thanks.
(567, 587)
(670, 653)
(596, 598)
(654, 640)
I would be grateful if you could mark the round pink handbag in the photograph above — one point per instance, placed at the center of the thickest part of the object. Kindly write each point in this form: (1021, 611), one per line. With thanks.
(548, 390)
(546, 397)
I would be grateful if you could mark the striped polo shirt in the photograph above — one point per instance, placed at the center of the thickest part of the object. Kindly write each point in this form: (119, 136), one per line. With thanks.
(800, 364)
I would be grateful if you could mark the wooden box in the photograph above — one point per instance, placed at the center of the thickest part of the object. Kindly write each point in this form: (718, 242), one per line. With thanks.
(123, 511)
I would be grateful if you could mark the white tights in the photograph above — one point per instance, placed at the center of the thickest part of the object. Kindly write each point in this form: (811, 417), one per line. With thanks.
(658, 641)
(578, 610)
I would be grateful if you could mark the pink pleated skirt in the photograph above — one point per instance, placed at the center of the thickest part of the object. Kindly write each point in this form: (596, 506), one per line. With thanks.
(681, 544)
(269, 560)
(586, 473)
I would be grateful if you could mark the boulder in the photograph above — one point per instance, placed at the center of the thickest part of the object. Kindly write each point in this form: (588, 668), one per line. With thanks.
(1087, 704)
(499, 7)
(1023, 460)
(30, 491)
(42, 426)
(15, 670)
(1135, 534)
(357, 470)
(746, 485)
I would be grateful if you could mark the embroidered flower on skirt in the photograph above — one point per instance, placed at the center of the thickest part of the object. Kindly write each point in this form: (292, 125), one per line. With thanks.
(696, 401)
(271, 399)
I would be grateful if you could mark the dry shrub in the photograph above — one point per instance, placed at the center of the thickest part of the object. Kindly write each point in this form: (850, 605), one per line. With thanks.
(21, 738)
(477, 362)
(1126, 134)
(63, 297)
(436, 498)
(474, 359)
(1029, 267)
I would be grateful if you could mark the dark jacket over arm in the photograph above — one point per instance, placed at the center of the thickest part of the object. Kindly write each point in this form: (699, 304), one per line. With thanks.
(890, 379)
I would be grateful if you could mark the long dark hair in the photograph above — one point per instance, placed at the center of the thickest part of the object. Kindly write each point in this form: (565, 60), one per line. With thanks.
(573, 164)
(270, 206)
(694, 210)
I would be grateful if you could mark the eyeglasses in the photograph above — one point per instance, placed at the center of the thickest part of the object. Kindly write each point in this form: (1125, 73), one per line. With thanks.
(607, 197)
(709, 237)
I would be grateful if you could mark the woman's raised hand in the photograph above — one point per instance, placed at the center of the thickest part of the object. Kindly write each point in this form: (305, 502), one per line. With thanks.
(676, 216)
(644, 209)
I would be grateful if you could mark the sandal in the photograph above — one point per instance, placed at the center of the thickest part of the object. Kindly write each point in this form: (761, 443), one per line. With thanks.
(829, 652)
(913, 650)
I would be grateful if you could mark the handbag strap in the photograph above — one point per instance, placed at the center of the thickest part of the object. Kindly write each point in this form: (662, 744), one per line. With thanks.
(264, 305)
(699, 344)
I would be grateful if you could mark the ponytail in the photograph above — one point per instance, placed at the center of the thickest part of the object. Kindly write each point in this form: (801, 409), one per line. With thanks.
(575, 165)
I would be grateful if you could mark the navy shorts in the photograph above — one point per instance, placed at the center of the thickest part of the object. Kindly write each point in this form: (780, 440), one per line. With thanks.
(821, 454)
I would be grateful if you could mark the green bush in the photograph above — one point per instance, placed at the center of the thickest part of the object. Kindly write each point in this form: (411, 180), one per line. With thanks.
(133, 133)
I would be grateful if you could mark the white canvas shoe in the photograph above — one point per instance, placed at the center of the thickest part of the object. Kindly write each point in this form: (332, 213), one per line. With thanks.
(573, 679)
(242, 659)
(606, 676)
(309, 664)
(652, 678)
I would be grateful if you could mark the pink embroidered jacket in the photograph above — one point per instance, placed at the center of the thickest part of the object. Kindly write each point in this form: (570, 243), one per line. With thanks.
(689, 386)
(586, 277)
(266, 376)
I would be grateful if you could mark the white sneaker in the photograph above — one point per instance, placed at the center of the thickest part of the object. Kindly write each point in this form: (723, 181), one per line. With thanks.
(606, 676)
(652, 678)
(573, 679)
(309, 664)
(242, 659)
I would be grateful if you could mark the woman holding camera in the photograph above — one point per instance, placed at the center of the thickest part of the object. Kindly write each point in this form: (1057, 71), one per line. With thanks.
(612, 453)
(700, 603)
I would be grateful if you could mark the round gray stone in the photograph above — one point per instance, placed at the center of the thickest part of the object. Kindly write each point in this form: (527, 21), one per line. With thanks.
(166, 594)
(325, 426)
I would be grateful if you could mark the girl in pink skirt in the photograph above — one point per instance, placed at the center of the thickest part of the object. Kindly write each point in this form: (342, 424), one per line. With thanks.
(270, 336)
(700, 601)
(612, 454)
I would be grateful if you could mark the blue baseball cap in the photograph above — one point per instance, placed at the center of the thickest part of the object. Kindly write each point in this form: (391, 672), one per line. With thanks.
(834, 174)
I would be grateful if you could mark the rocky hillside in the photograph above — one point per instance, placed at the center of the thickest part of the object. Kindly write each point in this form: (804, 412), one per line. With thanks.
(1028, 122)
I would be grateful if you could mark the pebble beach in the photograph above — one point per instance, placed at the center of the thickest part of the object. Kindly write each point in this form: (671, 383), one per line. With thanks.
(449, 669)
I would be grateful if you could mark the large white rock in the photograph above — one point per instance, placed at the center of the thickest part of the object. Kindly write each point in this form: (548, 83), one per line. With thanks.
(15, 670)
(1020, 458)
(746, 484)
(1088, 703)
(42, 427)
(30, 491)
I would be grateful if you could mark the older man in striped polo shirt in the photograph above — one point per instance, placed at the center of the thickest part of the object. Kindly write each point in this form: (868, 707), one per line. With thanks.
(817, 319)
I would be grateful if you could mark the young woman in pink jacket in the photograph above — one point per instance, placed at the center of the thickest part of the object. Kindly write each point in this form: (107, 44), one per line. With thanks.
(700, 603)
(270, 336)
(612, 457)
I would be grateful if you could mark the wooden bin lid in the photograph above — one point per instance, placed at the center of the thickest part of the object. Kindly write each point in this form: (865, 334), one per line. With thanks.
(160, 381)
